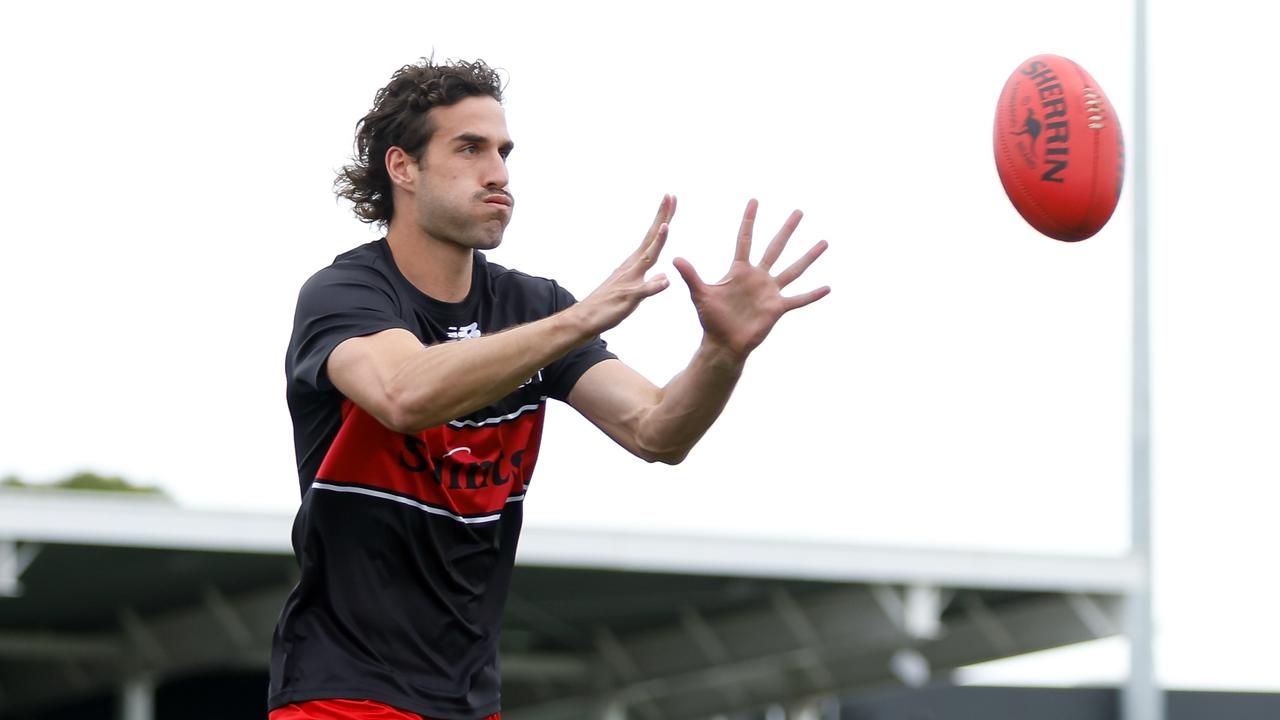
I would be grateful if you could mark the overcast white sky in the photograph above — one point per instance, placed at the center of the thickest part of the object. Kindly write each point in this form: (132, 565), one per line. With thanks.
(966, 384)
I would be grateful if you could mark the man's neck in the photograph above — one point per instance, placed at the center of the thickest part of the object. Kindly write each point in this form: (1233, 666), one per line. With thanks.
(440, 269)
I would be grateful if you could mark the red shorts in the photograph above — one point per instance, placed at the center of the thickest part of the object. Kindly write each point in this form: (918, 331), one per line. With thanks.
(346, 710)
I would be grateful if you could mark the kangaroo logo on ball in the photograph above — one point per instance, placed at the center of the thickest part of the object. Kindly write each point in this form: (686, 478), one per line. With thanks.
(1031, 128)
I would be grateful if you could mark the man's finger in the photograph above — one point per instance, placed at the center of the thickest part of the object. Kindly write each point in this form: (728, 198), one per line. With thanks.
(799, 301)
(798, 267)
(648, 255)
(654, 285)
(779, 242)
(743, 251)
(689, 275)
(666, 209)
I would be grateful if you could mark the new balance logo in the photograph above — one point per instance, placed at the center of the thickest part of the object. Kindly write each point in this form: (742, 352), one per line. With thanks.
(466, 332)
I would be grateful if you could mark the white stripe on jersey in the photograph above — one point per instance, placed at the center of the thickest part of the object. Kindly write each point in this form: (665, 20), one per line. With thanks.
(414, 503)
(501, 418)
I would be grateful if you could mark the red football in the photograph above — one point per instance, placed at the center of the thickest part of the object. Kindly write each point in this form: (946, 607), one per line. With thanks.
(1058, 148)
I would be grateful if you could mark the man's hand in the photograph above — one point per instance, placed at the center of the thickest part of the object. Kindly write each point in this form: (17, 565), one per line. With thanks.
(738, 312)
(622, 292)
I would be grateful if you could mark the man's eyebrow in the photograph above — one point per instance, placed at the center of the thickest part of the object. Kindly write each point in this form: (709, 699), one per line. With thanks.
(470, 137)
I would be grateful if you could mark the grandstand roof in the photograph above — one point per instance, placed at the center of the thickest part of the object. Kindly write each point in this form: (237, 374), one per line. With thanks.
(102, 587)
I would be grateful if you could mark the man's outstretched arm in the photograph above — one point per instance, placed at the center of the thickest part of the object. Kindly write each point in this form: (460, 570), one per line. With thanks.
(408, 387)
(737, 314)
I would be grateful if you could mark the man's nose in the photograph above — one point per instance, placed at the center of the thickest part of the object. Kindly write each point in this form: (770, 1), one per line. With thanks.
(496, 172)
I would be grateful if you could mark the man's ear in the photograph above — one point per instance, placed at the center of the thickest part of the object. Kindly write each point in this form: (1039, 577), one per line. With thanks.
(402, 168)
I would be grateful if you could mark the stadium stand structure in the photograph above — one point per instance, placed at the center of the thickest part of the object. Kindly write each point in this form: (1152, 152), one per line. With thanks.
(104, 593)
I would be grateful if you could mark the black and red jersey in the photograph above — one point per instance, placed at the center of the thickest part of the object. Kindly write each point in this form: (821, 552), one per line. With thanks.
(406, 541)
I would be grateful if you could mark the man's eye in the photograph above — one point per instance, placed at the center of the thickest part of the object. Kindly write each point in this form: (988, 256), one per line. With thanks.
(470, 149)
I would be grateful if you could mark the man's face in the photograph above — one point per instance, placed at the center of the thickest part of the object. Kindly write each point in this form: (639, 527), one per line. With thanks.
(461, 193)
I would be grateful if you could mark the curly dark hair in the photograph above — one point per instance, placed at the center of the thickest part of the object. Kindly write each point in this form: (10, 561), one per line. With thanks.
(399, 119)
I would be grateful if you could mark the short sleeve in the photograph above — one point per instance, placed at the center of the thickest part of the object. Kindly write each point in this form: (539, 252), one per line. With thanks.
(564, 373)
(340, 302)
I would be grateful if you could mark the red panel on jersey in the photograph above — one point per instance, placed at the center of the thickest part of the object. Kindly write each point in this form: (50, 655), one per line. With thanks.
(468, 470)
(346, 710)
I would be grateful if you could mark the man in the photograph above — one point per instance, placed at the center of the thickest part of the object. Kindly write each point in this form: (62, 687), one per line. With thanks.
(418, 373)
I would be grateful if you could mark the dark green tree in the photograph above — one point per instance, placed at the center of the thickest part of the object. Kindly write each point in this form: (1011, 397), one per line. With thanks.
(86, 480)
